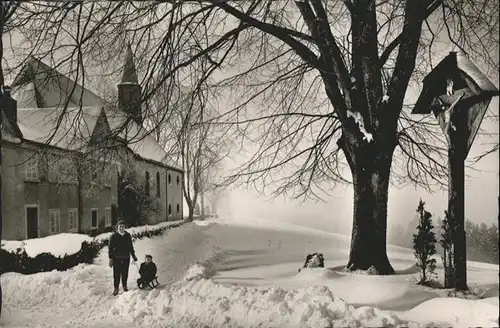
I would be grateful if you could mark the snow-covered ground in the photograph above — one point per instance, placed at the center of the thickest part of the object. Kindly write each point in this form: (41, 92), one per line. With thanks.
(226, 274)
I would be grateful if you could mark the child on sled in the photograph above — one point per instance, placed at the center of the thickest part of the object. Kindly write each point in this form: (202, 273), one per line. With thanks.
(147, 273)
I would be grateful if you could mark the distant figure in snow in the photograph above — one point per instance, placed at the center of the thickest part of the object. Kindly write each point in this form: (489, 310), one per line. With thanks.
(147, 271)
(120, 250)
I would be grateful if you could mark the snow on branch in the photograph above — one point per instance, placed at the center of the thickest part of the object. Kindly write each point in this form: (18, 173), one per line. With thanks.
(358, 118)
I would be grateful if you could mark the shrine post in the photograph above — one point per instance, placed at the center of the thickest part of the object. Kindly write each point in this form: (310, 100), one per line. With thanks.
(458, 94)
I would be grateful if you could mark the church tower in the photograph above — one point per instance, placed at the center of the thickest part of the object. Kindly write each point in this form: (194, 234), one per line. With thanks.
(129, 90)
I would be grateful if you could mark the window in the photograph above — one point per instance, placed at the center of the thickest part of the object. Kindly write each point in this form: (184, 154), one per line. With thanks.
(169, 179)
(73, 219)
(65, 171)
(107, 216)
(93, 218)
(158, 184)
(31, 165)
(178, 208)
(60, 170)
(147, 183)
(178, 179)
(169, 209)
(54, 221)
(54, 169)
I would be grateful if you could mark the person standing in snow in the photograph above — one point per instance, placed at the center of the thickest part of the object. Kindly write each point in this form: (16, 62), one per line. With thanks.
(120, 250)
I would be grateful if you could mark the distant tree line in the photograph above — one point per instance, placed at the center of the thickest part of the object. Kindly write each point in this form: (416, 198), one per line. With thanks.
(482, 240)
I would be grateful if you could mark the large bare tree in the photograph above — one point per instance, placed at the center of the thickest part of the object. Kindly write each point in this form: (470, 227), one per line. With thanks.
(330, 79)
(320, 86)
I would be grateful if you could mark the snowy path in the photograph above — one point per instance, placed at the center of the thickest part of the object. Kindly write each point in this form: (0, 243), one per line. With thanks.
(87, 289)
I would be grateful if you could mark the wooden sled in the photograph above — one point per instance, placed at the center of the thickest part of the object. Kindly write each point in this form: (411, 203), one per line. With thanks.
(151, 284)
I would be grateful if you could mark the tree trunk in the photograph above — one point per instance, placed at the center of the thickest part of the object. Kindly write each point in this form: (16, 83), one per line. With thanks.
(80, 199)
(202, 205)
(191, 203)
(190, 212)
(370, 166)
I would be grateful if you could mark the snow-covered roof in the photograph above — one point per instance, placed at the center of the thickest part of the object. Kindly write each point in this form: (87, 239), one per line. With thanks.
(40, 86)
(72, 133)
(462, 71)
(466, 65)
(42, 92)
(140, 141)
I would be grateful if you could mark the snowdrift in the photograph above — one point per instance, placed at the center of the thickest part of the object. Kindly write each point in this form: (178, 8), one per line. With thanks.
(203, 271)
(456, 312)
(68, 243)
(58, 245)
(202, 302)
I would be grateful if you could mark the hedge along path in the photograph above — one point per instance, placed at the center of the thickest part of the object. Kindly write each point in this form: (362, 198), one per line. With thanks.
(21, 262)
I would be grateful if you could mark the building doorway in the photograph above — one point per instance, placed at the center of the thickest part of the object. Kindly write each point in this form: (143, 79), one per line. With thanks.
(32, 227)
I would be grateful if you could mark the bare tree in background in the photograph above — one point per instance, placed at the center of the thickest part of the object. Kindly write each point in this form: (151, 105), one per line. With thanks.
(201, 155)
(318, 86)
(215, 198)
(195, 145)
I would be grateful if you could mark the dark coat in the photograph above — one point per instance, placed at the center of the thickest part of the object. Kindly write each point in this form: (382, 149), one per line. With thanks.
(148, 270)
(121, 246)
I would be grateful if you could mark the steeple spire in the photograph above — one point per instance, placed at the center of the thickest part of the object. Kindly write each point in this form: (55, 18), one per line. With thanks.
(129, 90)
(129, 75)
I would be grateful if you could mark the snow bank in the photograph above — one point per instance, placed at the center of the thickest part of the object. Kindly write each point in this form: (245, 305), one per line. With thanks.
(351, 287)
(199, 271)
(68, 288)
(455, 312)
(197, 301)
(141, 229)
(316, 275)
(67, 243)
(193, 294)
(58, 245)
(200, 303)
